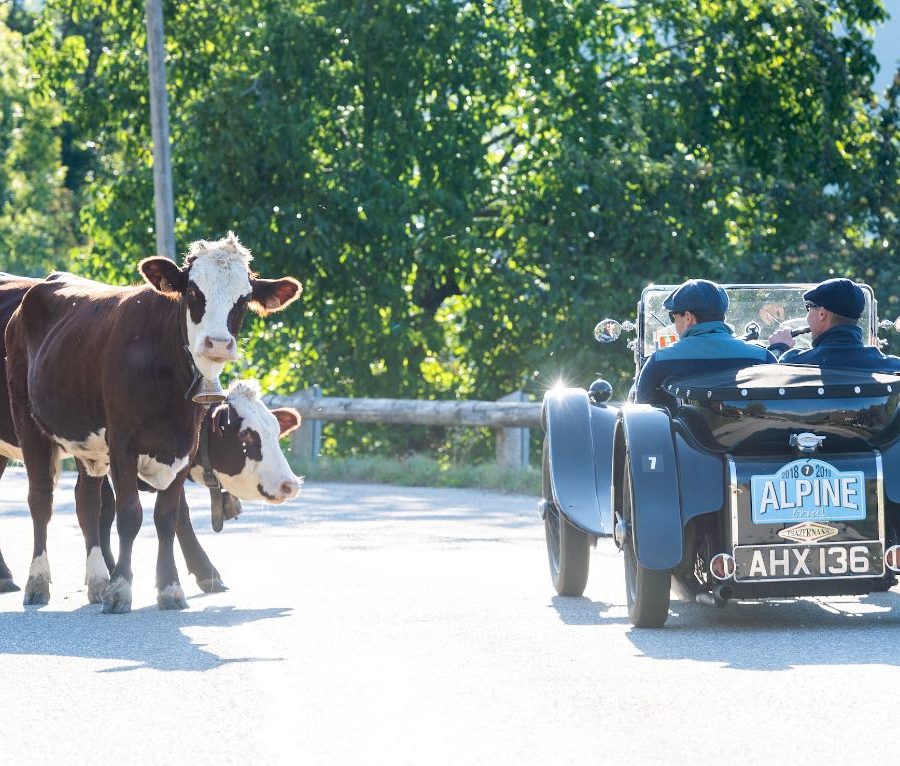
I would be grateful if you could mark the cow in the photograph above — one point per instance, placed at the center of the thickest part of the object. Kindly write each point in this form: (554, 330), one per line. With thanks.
(244, 459)
(243, 456)
(107, 375)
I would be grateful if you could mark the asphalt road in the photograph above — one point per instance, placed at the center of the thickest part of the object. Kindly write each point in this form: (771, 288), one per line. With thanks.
(371, 624)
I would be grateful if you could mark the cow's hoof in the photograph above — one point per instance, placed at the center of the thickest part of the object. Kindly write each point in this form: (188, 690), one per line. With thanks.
(171, 597)
(96, 588)
(212, 585)
(117, 598)
(8, 586)
(37, 591)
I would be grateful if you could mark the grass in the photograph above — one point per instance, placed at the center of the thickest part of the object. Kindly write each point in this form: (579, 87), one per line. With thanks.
(419, 471)
(415, 471)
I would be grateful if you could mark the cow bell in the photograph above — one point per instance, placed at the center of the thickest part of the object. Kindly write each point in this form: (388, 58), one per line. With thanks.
(208, 392)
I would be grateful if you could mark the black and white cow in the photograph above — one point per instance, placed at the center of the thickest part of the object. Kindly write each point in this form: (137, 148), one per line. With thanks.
(245, 459)
(105, 374)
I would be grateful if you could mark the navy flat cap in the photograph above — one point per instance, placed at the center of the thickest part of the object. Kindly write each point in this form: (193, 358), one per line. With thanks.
(841, 296)
(699, 296)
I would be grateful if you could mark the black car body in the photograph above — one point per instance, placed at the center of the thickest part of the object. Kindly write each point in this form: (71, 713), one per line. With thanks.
(768, 481)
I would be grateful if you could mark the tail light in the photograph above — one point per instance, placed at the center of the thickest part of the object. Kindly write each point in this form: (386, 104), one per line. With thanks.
(722, 566)
(892, 558)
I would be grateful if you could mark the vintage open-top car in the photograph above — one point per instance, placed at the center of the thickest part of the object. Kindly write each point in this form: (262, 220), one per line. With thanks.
(767, 481)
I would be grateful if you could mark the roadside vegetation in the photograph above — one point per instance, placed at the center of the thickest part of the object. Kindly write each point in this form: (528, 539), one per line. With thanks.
(464, 189)
(419, 471)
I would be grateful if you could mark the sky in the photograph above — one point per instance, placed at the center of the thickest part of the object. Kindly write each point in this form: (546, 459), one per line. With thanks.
(887, 46)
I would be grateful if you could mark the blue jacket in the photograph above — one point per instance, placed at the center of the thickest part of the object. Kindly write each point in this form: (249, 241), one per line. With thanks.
(704, 347)
(842, 346)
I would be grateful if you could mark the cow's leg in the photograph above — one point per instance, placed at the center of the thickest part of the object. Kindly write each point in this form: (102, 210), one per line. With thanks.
(169, 594)
(6, 579)
(107, 516)
(208, 578)
(41, 459)
(87, 507)
(129, 515)
(41, 465)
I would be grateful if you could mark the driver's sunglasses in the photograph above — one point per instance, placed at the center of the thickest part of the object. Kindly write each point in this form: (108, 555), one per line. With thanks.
(673, 314)
(810, 305)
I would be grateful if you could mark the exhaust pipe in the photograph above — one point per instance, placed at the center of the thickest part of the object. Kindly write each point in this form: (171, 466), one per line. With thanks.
(719, 597)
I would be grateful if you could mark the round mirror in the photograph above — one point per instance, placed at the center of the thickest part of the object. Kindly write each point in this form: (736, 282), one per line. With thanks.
(607, 330)
(751, 331)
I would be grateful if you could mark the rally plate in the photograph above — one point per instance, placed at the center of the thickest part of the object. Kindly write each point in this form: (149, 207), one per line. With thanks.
(808, 490)
(821, 561)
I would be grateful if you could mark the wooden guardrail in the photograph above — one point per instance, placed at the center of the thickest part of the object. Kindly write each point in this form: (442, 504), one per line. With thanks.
(511, 416)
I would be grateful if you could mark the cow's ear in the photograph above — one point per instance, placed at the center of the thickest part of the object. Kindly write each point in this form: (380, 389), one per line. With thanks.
(163, 274)
(288, 420)
(270, 295)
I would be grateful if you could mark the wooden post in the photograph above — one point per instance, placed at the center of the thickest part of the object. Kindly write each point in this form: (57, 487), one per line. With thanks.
(513, 443)
(159, 128)
(306, 441)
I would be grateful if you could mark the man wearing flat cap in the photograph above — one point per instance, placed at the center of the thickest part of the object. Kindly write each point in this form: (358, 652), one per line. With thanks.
(697, 309)
(833, 309)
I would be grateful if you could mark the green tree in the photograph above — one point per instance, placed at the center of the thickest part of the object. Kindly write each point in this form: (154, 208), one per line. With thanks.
(466, 188)
(36, 225)
(670, 139)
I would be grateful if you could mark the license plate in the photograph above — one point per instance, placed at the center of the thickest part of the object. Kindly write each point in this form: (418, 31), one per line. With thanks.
(808, 489)
(808, 562)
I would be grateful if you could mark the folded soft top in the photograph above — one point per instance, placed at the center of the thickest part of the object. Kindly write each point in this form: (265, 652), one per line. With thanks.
(783, 381)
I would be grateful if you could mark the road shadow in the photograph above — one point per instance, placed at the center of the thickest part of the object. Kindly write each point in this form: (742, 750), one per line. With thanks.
(779, 634)
(578, 610)
(147, 637)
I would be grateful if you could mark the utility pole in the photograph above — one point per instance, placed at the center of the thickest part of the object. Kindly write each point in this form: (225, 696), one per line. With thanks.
(159, 126)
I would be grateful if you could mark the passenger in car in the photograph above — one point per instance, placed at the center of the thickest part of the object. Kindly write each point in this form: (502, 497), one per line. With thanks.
(833, 309)
(697, 309)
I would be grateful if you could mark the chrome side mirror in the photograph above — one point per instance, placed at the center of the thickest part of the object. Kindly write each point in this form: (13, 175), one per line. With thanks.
(608, 330)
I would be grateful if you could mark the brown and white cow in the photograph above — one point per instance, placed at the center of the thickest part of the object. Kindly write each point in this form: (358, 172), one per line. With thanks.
(255, 472)
(105, 374)
(245, 459)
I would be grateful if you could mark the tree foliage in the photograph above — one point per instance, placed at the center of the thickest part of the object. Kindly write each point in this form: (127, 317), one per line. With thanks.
(36, 224)
(465, 188)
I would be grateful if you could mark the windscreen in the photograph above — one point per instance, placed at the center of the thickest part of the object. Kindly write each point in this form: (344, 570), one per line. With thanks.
(768, 306)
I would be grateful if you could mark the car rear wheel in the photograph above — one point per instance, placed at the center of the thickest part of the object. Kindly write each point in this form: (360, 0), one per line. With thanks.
(568, 548)
(646, 590)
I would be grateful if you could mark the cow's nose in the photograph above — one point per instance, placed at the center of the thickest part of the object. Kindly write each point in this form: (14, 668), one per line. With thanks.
(218, 348)
(289, 489)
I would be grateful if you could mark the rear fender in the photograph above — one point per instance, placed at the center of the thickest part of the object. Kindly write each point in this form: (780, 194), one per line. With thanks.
(580, 444)
(648, 450)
